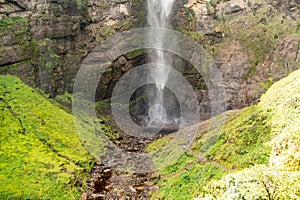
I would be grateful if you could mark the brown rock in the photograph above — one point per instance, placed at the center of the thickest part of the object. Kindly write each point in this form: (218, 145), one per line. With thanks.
(139, 187)
(132, 188)
(148, 183)
(84, 196)
(97, 197)
(154, 188)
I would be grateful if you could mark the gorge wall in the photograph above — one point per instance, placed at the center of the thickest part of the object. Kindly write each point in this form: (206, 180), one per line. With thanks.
(254, 42)
(44, 41)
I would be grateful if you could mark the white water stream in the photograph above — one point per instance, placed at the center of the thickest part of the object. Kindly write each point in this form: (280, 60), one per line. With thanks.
(159, 17)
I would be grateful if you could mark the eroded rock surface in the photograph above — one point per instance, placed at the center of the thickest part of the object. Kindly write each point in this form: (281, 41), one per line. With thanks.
(49, 39)
(254, 43)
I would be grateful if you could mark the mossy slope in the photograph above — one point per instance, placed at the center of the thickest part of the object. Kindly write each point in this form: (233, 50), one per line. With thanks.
(257, 147)
(41, 156)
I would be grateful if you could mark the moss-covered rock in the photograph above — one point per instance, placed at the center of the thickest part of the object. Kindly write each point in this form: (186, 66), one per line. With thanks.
(41, 156)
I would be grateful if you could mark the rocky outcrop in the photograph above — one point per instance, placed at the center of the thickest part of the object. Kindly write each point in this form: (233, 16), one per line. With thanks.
(243, 88)
(203, 14)
(44, 42)
(254, 42)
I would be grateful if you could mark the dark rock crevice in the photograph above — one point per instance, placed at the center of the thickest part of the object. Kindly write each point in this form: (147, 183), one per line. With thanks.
(18, 3)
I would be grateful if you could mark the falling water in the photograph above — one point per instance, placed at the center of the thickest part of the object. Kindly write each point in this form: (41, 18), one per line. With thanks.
(158, 16)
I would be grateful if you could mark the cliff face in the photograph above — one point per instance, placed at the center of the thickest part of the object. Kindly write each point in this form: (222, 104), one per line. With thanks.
(44, 41)
(254, 42)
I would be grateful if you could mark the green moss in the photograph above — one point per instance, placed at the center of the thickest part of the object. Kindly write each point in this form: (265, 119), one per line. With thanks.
(185, 160)
(102, 105)
(106, 31)
(257, 32)
(136, 53)
(189, 14)
(261, 134)
(81, 4)
(259, 44)
(242, 142)
(198, 36)
(158, 144)
(259, 182)
(123, 25)
(211, 6)
(139, 12)
(268, 83)
(183, 179)
(65, 98)
(6, 23)
(190, 19)
(41, 154)
(17, 27)
(297, 26)
(105, 120)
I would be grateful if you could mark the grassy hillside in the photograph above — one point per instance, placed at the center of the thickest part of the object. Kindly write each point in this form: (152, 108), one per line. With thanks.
(256, 155)
(258, 147)
(41, 156)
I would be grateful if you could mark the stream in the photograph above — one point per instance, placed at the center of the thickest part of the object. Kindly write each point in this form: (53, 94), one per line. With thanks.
(107, 183)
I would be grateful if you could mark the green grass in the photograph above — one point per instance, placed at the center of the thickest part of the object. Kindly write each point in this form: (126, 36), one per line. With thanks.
(41, 155)
(258, 182)
(185, 184)
(242, 142)
(266, 135)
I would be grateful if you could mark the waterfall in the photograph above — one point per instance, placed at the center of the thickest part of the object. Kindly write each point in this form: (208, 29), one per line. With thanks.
(158, 16)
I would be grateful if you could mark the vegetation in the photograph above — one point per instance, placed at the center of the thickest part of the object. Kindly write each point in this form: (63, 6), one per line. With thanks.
(211, 6)
(258, 182)
(255, 155)
(14, 31)
(136, 53)
(198, 36)
(257, 31)
(258, 147)
(7, 23)
(190, 18)
(17, 27)
(108, 30)
(65, 98)
(41, 156)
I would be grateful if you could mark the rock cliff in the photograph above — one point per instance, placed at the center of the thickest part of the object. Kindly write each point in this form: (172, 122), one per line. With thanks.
(44, 41)
(254, 42)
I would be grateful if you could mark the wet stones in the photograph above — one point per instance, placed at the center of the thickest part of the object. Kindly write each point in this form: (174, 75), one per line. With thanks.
(113, 184)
